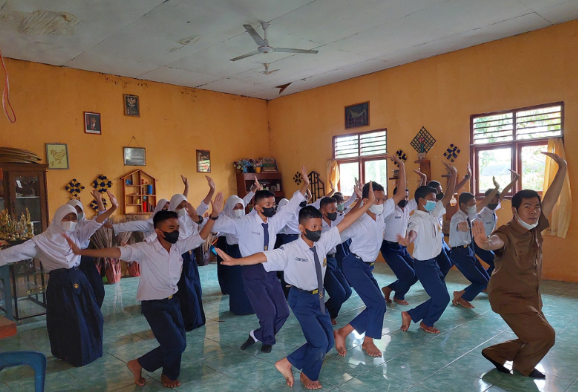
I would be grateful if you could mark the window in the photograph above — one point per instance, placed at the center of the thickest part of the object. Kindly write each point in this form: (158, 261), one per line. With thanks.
(513, 140)
(361, 156)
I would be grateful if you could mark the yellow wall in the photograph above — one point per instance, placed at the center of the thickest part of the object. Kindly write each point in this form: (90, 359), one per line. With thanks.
(441, 93)
(175, 121)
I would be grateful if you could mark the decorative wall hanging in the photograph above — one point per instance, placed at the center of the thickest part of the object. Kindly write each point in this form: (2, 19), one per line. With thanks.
(203, 161)
(74, 188)
(298, 178)
(357, 115)
(57, 156)
(401, 155)
(92, 123)
(452, 153)
(94, 204)
(135, 156)
(131, 105)
(102, 183)
(422, 142)
(316, 185)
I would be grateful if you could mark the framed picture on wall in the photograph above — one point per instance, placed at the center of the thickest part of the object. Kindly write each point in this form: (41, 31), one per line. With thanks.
(203, 161)
(131, 105)
(357, 115)
(92, 123)
(135, 156)
(57, 156)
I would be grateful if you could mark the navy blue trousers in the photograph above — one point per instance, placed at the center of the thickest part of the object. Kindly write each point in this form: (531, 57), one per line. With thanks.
(342, 251)
(238, 300)
(88, 267)
(487, 257)
(166, 321)
(336, 286)
(266, 296)
(281, 240)
(401, 263)
(443, 259)
(360, 276)
(73, 318)
(465, 260)
(222, 270)
(433, 281)
(316, 327)
(190, 294)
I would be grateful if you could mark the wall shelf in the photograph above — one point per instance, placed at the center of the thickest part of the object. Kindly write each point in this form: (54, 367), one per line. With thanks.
(139, 195)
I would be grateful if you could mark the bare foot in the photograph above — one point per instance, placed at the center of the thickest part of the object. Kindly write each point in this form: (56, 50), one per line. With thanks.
(308, 383)
(386, 292)
(333, 322)
(405, 321)
(400, 301)
(462, 302)
(428, 329)
(136, 370)
(370, 348)
(167, 382)
(339, 343)
(484, 290)
(284, 367)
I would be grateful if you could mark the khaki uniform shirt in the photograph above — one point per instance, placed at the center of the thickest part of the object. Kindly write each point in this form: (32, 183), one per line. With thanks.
(515, 283)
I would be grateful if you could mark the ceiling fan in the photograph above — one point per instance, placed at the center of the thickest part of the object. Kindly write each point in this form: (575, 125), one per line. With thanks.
(264, 46)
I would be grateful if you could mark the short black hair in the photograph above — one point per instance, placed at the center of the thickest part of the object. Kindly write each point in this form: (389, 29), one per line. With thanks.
(162, 216)
(423, 191)
(465, 197)
(260, 195)
(524, 194)
(327, 200)
(434, 184)
(395, 190)
(309, 212)
(487, 193)
(338, 196)
(376, 187)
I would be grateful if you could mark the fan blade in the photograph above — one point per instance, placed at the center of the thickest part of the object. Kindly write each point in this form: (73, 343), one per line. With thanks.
(246, 55)
(290, 50)
(256, 37)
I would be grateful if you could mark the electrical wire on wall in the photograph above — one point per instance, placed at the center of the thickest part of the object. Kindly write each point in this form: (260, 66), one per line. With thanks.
(6, 94)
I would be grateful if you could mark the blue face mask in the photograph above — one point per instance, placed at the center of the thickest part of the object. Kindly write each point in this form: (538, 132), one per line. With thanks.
(429, 206)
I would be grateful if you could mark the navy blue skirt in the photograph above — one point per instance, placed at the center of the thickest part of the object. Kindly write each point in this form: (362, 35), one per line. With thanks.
(238, 301)
(190, 293)
(222, 270)
(88, 267)
(73, 318)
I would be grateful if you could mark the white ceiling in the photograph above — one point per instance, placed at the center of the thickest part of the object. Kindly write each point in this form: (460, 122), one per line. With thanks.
(140, 38)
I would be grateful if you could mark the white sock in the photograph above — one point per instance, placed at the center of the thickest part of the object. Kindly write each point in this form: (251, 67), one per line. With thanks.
(252, 334)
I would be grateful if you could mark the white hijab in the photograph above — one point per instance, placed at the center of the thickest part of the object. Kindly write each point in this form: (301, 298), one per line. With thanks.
(52, 244)
(77, 203)
(158, 208)
(232, 201)
(187, 226)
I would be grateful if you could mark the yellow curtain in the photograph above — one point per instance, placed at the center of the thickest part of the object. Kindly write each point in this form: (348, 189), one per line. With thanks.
(332, 173)
(562, 212)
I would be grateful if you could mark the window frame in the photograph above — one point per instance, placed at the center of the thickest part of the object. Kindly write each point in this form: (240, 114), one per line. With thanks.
(515, 145)
(360, 160)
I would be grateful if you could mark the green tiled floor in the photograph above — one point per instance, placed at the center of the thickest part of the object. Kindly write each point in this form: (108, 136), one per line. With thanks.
(412, 361)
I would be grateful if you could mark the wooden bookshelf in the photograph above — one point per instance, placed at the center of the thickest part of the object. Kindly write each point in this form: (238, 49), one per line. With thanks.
(139, 193)
(268, 180)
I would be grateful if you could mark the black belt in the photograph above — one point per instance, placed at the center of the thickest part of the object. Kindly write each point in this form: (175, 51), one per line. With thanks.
(316, 291)
(331, 255)
(359, 258)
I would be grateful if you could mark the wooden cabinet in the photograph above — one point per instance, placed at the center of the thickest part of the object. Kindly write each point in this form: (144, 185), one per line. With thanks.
(270, 181)
(23, 186)
(139, 193)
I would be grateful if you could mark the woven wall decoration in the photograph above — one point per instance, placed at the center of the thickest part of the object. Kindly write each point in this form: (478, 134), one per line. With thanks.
(74, 188)
(452, 152)
(298, 178)
(102, 183)
(423, 141)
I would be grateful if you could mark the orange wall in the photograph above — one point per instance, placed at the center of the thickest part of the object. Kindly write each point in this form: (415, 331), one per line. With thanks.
(175, 121)
(441, 93)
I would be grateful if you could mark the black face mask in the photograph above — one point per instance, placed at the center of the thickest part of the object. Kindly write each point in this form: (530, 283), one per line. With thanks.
(303, 204)
(332, 216)
(171, 236)
(492, 206)
(268, 212)
(402, 203)
(313, 235)
(440, 196)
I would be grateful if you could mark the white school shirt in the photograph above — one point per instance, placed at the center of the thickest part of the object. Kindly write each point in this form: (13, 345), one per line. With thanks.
(428, 243)
(297, 260)
(160, 270)
(457, 237)
(326, 228)
(29, 250)
(231, 239)
(396, 222)
(249, 229)
(292, 226)
(367, 234)
(489, 219)
(346, 203)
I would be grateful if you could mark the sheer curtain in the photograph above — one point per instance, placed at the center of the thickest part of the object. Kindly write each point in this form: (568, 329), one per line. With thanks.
(332, 173)
(562, 212)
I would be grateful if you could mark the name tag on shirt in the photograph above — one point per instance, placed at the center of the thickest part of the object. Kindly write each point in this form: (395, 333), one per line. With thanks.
(398, 217)
(300, 259)
(256, 233)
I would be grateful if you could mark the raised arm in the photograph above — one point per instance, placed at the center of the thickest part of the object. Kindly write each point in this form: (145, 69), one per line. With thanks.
(105, 215)
(508, 188)
(98, 200)
(486, 200)
(492, 242)
(305, 185)
(356, 213)
(257, 258)
(112, 253)
(466, 178)
(453, 173)
(186, 183)
(422, 177)
(217, 206)
(209, 196)
(331, 189)
(551, 197)
(24, 251)
(137, 225)
(401, 184)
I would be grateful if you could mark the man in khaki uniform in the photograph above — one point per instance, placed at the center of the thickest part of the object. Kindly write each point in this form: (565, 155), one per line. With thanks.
(514, 288)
